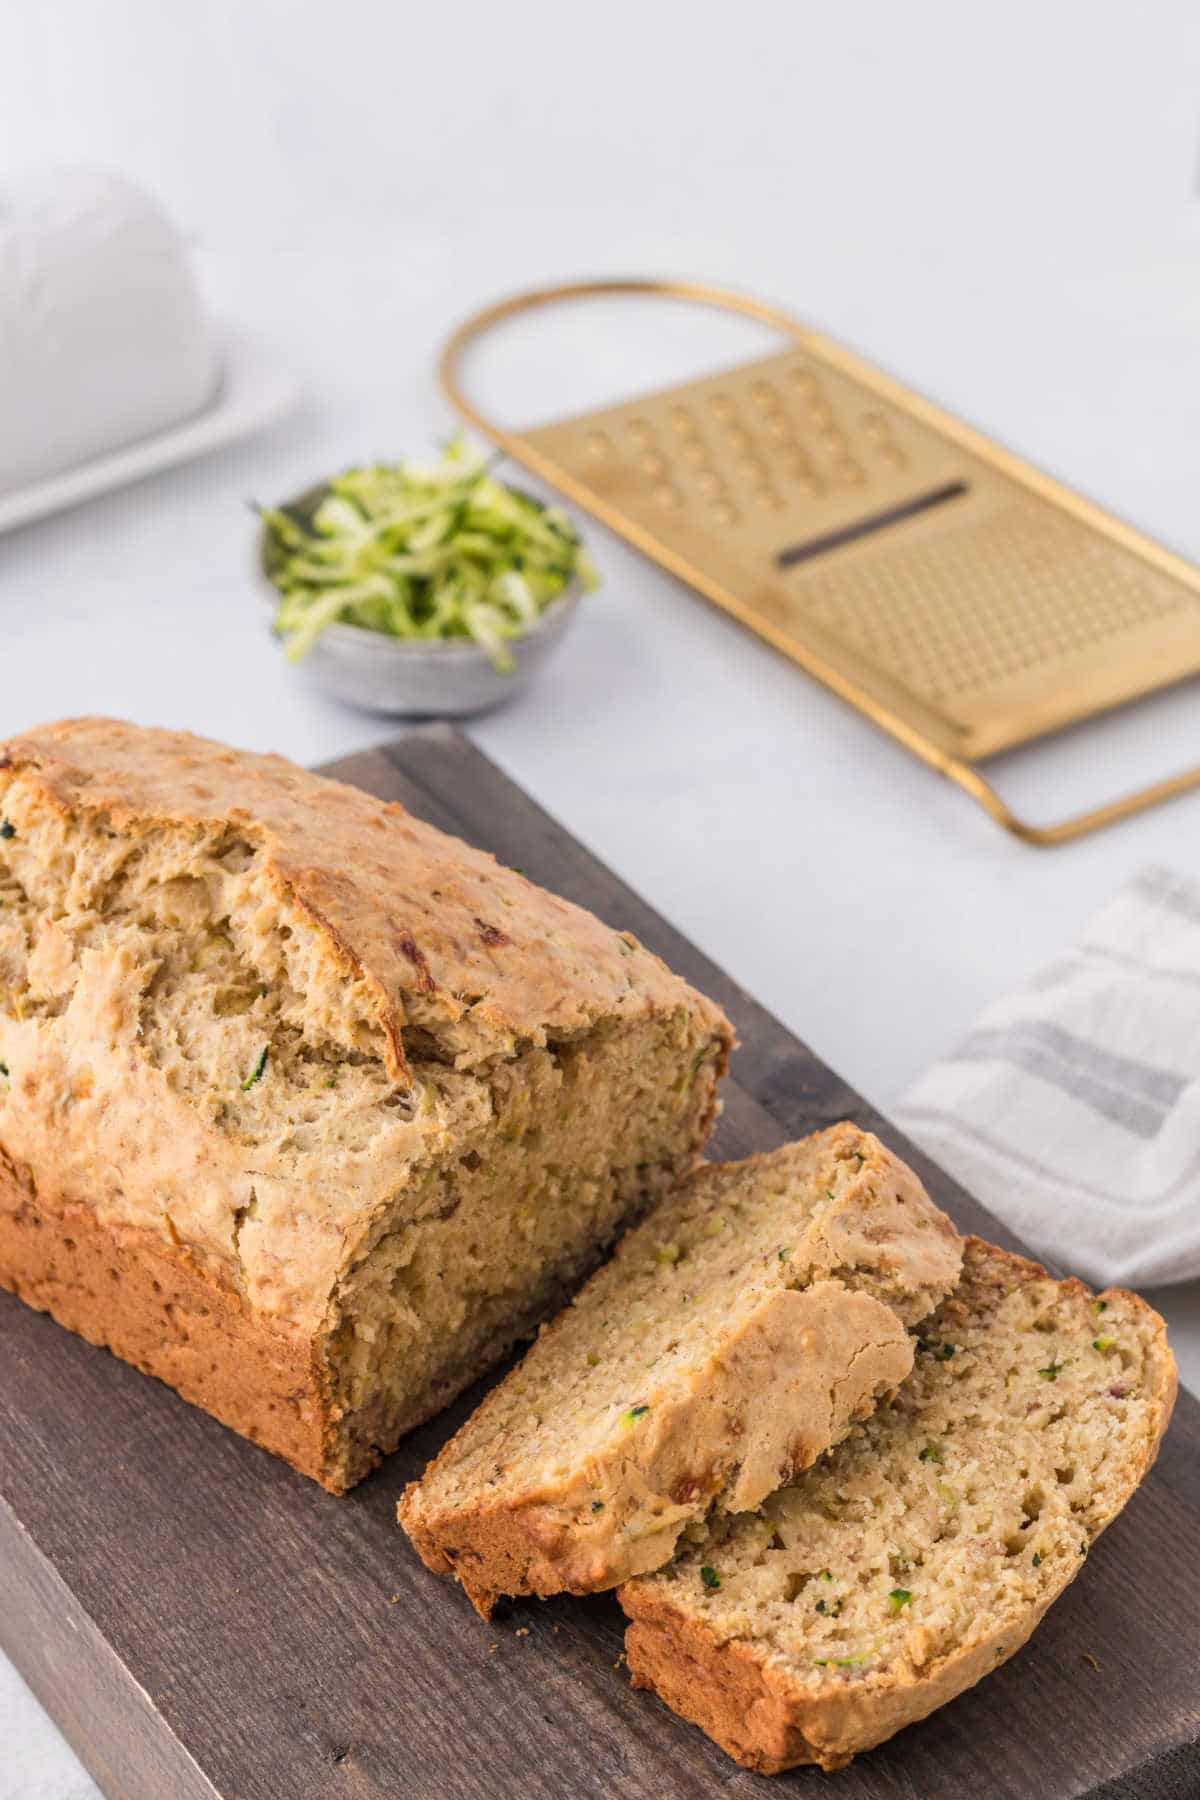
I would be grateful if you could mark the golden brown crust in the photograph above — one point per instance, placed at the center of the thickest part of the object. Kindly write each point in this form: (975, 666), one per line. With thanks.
(421, 917)
(157, 1308)
(768, 1721)
(760, 1718)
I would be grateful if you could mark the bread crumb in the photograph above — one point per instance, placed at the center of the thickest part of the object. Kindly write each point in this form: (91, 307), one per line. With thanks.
(393, 1599)
(521, 1631)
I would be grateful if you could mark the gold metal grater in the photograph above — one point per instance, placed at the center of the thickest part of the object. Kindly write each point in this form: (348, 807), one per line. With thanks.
(963, 600)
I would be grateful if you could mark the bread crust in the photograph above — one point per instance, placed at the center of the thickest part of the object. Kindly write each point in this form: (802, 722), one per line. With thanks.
(435, 929)
(155, 1306)
(767, 1721)
(757, 1715)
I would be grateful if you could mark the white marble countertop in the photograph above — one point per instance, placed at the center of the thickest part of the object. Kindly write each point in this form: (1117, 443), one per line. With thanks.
(1001, 210)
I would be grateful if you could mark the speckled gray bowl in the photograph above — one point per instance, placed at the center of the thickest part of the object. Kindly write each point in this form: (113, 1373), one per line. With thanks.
(418, 678)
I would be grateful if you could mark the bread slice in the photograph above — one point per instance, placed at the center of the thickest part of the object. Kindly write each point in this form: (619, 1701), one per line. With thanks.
(732, 1338)
(306, 1107)
(923, 1551)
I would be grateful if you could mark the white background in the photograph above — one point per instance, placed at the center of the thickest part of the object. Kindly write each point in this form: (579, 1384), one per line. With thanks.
(996, 202)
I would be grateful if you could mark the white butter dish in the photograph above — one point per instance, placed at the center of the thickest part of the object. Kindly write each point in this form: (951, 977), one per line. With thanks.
(253, 391)
(109, 364)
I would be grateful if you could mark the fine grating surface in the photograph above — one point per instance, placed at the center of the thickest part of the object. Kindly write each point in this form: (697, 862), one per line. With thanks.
(155, 1572)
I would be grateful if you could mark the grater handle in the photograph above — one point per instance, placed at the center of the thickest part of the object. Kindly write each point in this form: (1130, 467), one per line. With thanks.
(701, 293)
(1081, 824)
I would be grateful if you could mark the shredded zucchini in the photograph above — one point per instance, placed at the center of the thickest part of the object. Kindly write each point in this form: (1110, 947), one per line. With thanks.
(422, 551)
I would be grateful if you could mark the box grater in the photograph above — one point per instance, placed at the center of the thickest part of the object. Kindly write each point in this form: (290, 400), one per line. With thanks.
(960, 598)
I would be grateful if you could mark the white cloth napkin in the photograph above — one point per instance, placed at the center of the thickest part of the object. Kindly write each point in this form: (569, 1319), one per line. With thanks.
(1072, 1109)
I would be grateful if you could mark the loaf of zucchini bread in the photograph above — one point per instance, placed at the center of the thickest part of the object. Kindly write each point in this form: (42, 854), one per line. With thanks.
(305, 1107)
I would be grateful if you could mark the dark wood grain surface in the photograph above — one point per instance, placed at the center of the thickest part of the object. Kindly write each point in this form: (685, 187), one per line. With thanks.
(202, 1622)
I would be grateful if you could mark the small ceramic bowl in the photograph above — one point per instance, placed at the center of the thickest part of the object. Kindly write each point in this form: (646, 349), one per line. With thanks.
(418, 678)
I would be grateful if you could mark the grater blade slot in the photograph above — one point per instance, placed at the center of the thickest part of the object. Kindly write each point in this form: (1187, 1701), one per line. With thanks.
(861, 528)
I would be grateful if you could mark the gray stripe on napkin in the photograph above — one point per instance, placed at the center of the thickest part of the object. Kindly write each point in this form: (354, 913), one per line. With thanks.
(1166, 890)
(1137, 965)
(1133, 1094)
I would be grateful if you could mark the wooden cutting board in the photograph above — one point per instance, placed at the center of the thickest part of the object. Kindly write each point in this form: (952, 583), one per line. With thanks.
(202, 1622)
